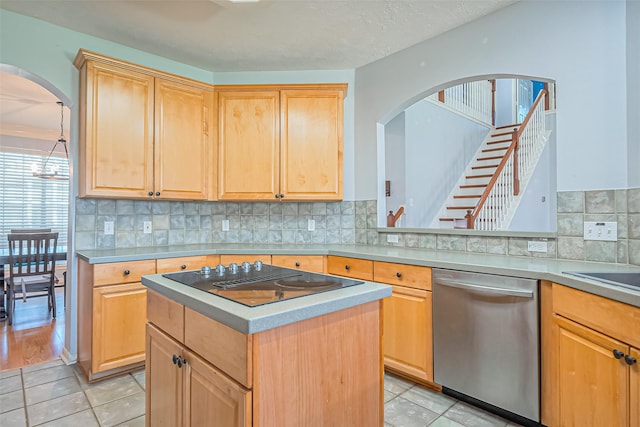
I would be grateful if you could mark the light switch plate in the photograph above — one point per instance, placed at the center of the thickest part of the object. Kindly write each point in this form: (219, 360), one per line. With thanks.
(108, 228)
(601, 230)
(311, 225)
(147, 227)
(225, 225)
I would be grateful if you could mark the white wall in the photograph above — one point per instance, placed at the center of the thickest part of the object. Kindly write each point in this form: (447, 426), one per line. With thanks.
(505, 112)
(439, 146)
(580, 45)
(633, 91)
(395, 165)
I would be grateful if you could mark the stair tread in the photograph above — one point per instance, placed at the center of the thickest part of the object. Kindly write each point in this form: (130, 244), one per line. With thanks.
(517, 125)
(468, 196)
(487, 150)
(489, 158)
(473, 186)
(478, 176)
(501, 133)
(484, 167)
(461, 207)
(500, 141)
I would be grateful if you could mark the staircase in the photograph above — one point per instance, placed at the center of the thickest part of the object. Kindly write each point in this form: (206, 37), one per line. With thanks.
(488, 193)
(469, 189)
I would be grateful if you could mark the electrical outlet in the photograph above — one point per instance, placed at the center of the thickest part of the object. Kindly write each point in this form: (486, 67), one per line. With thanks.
(108, 228)
(225, 225)
(146, 227)
(392, 238)
(536, 246)
(603, 230)
(311, 225)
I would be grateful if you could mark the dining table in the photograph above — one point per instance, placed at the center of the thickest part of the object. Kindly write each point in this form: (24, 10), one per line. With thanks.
(61, 255)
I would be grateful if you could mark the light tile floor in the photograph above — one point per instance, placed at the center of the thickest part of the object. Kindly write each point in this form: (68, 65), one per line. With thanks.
(54, 394)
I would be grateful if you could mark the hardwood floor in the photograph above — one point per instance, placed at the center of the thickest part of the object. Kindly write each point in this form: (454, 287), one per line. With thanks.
(34, 336)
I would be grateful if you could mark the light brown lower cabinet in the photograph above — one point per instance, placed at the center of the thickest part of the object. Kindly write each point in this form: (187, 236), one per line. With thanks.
(186, 390)
(111, 317)
(594, 359)
(323, 371)
(118, 325)
(408, 334)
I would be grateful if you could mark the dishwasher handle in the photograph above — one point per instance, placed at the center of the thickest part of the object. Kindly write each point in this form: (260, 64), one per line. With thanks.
(522, 293)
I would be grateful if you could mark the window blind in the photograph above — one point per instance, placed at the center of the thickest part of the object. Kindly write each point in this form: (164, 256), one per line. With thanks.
(30, 202)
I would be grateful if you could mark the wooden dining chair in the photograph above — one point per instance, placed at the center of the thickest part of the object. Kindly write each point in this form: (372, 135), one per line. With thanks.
(32, 268)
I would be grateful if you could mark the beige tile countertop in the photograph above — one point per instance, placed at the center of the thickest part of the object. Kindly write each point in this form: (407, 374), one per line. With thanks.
(534, 268)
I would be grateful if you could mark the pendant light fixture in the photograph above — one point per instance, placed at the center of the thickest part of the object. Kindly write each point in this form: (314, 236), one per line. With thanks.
(52, 172)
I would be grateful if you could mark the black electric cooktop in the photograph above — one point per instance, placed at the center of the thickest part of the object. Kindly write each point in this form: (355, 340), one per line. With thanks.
(255, 284)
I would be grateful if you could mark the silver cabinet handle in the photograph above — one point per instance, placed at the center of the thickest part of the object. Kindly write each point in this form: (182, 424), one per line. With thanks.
(486, 289)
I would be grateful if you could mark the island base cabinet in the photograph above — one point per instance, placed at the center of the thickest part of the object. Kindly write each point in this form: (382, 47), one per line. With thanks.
(322, 371)
(163, 380)
(184, 390)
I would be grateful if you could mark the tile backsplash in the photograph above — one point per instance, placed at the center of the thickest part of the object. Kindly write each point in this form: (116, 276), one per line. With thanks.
(350, 222)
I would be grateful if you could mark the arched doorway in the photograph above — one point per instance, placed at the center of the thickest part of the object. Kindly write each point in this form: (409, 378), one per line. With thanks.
(34, 115)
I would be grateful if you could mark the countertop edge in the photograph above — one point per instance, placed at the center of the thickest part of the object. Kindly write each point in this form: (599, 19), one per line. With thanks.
(526, 267)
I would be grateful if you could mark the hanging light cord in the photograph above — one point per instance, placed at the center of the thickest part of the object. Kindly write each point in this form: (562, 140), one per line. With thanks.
(61, 140)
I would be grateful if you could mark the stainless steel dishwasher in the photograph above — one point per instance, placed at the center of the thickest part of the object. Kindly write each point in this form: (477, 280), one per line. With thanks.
(486, 341)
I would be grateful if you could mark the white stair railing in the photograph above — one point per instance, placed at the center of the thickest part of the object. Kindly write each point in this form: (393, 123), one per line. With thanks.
(474, 99)
(497, 202)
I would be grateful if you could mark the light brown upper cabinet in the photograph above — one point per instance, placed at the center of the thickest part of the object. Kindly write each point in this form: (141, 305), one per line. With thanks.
(143, 133)
(280, 142)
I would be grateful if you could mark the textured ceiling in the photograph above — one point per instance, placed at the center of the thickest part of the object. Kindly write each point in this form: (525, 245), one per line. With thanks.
(221, 35)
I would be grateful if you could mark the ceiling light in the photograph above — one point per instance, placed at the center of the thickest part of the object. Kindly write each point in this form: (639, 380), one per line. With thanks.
(52, 171)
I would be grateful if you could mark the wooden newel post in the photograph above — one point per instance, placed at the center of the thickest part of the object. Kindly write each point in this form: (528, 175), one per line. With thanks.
(469, 219)
(516, 148)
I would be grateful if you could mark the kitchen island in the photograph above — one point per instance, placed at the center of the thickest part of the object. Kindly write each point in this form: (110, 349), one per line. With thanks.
(315, 360)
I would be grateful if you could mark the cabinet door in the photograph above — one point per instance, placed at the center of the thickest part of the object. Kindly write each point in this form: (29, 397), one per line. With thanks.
(116, 133)
(634, 402)
(311, 144)
(119, 317)
(182, 142)
(209, 395)
(248, 145)
(408, 338)
(593, 384)
(164, 380)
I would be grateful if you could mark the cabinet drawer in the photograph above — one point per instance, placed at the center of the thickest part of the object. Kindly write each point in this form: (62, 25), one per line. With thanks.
(412, 276)
(615, 319)
(350, 267)
(313, 263)
(238, 259)
(122, 272)
(167, 314)
(168, 265)
(227, 349)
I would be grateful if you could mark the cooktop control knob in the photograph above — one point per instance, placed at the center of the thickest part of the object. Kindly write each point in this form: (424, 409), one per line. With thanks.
(246, 267)
(220, 269)
(206, 270)
(233, 268)
(257, 265)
